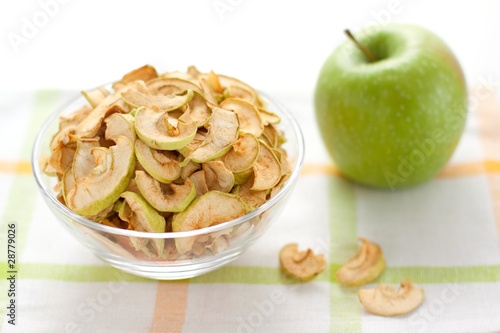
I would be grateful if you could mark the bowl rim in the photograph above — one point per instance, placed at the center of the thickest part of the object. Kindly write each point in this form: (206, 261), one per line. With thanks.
(38, 173)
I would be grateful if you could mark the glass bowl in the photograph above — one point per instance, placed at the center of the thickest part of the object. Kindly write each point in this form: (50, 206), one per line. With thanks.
(112, 244)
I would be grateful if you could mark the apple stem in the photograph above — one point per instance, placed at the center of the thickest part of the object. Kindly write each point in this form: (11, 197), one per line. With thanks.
(366, 51)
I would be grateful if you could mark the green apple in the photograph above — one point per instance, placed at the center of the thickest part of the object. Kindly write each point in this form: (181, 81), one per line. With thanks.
(391, 105)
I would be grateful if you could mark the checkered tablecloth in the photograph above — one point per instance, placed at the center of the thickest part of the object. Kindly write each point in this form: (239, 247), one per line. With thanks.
(443, 235)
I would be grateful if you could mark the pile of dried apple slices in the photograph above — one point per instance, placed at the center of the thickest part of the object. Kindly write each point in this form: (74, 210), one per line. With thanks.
(165, 153)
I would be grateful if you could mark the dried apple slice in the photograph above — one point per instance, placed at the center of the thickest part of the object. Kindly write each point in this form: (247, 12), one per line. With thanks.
(180, 75)
(217, 176)
(144, 73)
(161, 165)
(171, 86)
(132, 186)
(365, 267)
(96, 96)
(286, 168)
(200, 182)
(120, 124)
(248, 115)
(107, 212)
(385, 300)
(214, 82)
(222, 133)
(243, 153)
(275, 190)
(252, 198)
(61, 158)
(227, 82)
(302, 265)
(68, 125)
(199, 110)
(145, 218)
(193, 72)
(195, 143)
(271, 135)
(159, 131)
(242, 177)
(210, 209)
(189, 169)
(165, 103)
(240, 93)
(268, 117)
(67, 183)
(267, 169)
(84, 161)
(94, 193)
(89, 127)
(163, 197)
(209, 93)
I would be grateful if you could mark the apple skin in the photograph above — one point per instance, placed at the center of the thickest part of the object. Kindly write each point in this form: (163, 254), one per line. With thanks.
(394, 122)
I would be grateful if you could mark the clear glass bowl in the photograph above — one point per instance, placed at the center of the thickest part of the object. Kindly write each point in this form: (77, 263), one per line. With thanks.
(111, 244)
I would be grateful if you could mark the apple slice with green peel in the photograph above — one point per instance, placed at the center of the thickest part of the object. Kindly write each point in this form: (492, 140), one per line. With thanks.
(252, 198)
(242, 177)
(165, 197)
(189, 169)
(68, 125)
(273, 136)
(200, 182)
(222, 133)
(190, 147)
(98, 190)
(199, 110)
(126, 214)
(364, 267)
(172, 86)
(165, 103)
(100, 155)
(120, 124)
(268, 117)
(286, 168)
(248, 115)
(243, 153)
(105, 213)
(209, 93)
(96, 96)
(159, 131)
(132, 186)
(123, 210)
(210, 209)
(89, 127)
(279, 186)
(267, 169)
(67, 183)
(61, 158)
(237, 85)
(145, 218)
(180, 75)
(162, 165)
(217, 176)
(240, 93)
(84, 161)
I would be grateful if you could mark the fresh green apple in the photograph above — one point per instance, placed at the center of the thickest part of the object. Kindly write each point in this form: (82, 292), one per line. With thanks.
(391, 105)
